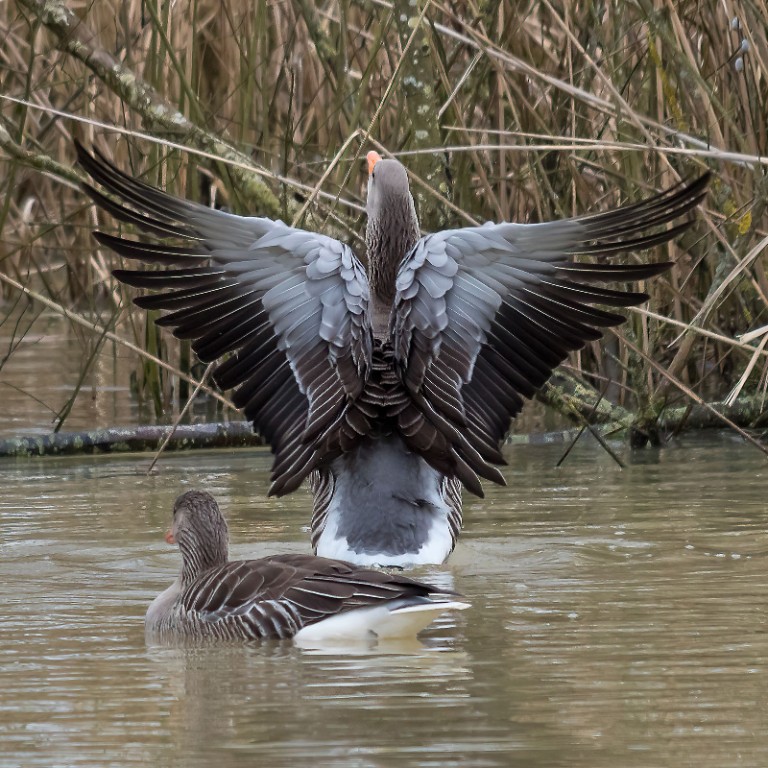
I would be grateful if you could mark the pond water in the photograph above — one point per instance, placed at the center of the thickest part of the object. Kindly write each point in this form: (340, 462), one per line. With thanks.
(618, 618)
(42, 359)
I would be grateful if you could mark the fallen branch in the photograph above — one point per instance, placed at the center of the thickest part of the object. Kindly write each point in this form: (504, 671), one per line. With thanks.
(747, 412)
(580, 402)
(233, 434)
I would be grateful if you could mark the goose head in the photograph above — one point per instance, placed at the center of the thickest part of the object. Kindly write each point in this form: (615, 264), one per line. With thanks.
(201, 533)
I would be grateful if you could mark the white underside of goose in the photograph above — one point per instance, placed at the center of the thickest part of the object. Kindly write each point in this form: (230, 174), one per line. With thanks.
(379, 622)
(435, 550)
(387, 507)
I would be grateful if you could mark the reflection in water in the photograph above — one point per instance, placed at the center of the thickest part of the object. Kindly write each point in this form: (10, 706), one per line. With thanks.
(291, 705)
(618, 619)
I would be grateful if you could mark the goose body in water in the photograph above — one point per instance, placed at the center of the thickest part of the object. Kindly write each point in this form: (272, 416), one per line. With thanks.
(308, 598)
(388, 389)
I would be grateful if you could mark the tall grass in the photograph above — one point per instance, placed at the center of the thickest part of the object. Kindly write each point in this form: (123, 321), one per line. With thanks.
(501, 110)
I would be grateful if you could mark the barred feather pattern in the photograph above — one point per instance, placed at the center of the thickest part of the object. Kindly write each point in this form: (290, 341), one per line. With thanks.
(385, 406)
(270, 598)
(431, 352)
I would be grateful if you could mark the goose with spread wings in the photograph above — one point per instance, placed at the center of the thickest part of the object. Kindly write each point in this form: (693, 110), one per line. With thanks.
(387, 388)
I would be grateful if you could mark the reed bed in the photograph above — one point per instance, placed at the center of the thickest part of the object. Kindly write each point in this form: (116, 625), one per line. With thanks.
(501, 111)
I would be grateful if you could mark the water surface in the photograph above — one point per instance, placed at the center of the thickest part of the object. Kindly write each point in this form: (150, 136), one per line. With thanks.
(618, 619)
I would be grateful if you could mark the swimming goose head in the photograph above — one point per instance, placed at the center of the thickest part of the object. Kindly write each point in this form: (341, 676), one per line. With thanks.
(201, 533)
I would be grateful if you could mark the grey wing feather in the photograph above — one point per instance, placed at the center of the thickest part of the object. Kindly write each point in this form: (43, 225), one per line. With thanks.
(278, 595)
(483, 315)
(291, 306)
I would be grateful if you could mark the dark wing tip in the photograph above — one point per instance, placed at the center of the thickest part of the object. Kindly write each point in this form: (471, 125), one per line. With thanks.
(82, 153)
(699, 186)
(90, 161)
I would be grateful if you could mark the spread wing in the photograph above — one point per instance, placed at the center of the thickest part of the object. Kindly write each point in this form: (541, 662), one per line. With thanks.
(483, 315)
(277, 596)
(290, 306)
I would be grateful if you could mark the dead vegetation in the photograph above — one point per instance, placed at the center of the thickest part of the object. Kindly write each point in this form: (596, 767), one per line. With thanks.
(521, 111)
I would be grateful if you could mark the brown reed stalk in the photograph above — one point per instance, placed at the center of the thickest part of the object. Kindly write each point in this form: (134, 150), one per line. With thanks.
(496, 104)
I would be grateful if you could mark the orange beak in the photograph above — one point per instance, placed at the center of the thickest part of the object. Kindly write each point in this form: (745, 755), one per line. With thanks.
(373, 158)
(169, 537)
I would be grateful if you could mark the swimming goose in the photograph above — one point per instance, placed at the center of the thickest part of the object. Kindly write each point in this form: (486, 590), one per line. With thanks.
(308, 598)
(389, 389)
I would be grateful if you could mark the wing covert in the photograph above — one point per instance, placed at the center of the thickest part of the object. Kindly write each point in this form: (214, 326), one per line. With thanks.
(278, 595)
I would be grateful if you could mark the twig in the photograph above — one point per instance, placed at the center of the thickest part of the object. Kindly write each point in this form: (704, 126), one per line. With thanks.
(172, 430)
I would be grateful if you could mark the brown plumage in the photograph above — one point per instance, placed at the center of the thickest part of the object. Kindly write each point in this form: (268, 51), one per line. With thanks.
(393, 387)
(282, 596)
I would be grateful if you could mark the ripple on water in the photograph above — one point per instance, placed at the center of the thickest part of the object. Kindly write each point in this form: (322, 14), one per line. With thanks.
(618, 619)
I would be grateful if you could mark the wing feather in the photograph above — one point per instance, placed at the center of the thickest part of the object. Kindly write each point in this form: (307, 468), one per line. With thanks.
(483, 315)
(278, 595)
(287, 309)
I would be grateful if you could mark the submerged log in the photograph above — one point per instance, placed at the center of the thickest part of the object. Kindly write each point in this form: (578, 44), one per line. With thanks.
(583, 405)
(233, 434)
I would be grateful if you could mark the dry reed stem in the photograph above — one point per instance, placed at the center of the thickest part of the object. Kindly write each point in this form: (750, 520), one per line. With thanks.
(635, 95)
